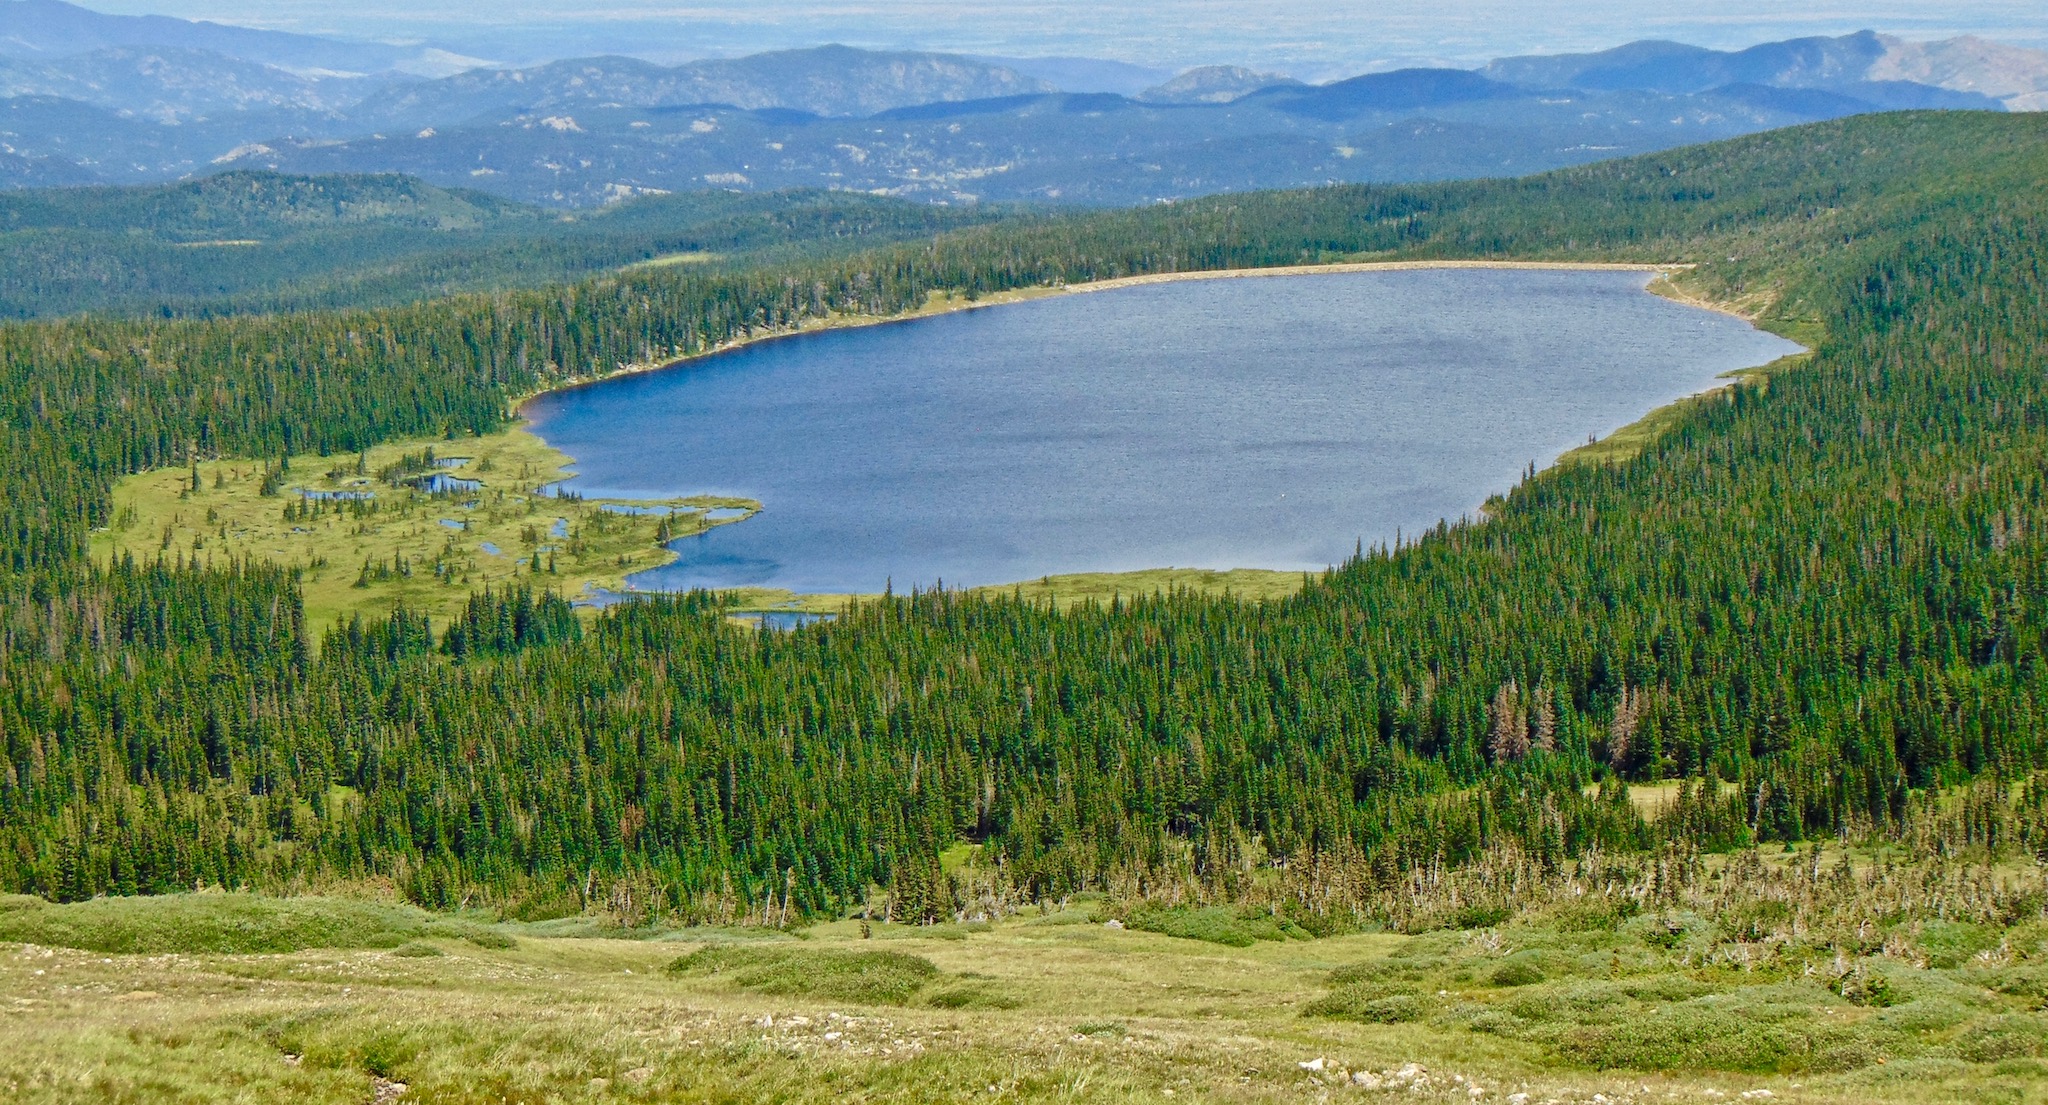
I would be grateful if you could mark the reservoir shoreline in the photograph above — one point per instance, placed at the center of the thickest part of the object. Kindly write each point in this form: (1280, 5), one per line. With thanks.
(943, 304)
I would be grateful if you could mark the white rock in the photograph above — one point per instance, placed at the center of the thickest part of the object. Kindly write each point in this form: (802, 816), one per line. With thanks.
(1113, 925)
(1518, 1099)
(1313, 1066)
(1366, 1079)
(1474, 1092)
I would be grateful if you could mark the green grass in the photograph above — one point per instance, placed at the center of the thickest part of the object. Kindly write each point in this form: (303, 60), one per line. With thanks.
(159, 514)
(231, 924)
(1250, 584)
(146, 1001)
(670, 260)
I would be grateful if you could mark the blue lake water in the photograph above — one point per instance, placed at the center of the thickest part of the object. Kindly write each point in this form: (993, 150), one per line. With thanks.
(1268, 423)
(440, 484)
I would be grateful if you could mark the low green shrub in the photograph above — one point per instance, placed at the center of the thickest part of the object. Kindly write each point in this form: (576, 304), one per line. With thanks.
(865, 977)
(1367, 1004)
(479, 936)
(1867, 986)
(1476, 917)
(2014, 1036)
(1680, 1038)
(229, 924)
(1523, 969)
(1952, 943)
(1236, 928)
(971, 996)
(417, 950)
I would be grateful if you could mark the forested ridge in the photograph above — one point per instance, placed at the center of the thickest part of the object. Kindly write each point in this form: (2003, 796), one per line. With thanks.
(248, 242)
(1817, 601)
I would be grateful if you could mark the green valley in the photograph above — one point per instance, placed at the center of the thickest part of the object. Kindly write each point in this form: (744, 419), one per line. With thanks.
(1385, 829)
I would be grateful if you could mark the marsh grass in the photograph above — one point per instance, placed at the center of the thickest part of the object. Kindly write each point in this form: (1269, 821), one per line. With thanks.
(440, 538)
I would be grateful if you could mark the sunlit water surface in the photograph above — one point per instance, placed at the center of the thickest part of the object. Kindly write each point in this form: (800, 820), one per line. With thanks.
(1272, 423)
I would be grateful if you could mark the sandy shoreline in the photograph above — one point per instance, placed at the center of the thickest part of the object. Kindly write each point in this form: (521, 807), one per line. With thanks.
(1360, 266)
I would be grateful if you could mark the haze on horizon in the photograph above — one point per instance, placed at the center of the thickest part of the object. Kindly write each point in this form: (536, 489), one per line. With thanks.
(1309, 38)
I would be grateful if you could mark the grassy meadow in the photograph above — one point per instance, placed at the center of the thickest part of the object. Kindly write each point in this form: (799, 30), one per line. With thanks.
(366, 537)
(1743, 988)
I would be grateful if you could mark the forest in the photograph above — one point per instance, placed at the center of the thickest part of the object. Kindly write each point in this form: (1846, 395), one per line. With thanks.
(1817, 604)
(244, 242)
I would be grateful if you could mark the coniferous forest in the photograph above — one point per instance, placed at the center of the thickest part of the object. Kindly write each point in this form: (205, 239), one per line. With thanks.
(1818, 600)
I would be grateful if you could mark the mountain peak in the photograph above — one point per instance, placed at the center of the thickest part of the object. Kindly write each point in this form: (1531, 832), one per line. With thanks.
(1213, 84)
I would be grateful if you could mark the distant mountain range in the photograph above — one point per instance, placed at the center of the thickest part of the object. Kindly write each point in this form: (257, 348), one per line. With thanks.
(828, 80)
(91, 98)
(1866, 65)
(54, 29)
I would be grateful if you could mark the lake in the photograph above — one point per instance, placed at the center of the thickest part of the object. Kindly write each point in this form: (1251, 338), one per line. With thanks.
(1262, 423)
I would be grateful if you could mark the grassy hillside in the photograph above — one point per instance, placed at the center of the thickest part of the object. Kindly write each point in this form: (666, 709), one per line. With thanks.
(1734, 986)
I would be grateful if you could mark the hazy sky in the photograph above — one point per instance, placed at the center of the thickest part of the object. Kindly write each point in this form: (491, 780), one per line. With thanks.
(1305, 36)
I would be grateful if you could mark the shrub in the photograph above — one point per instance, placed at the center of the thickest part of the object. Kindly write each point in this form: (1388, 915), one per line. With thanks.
(2010, 1037)
(1518, 970)
(416, 950)
(1680, 1038)
(228, 924)
(866, 977)
(1951, 943)
(972, 997)
(490, 938)
(1498, 1022)
(1477, 917)
(1367, 1004)
(1864, 985)
(1236, 928)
